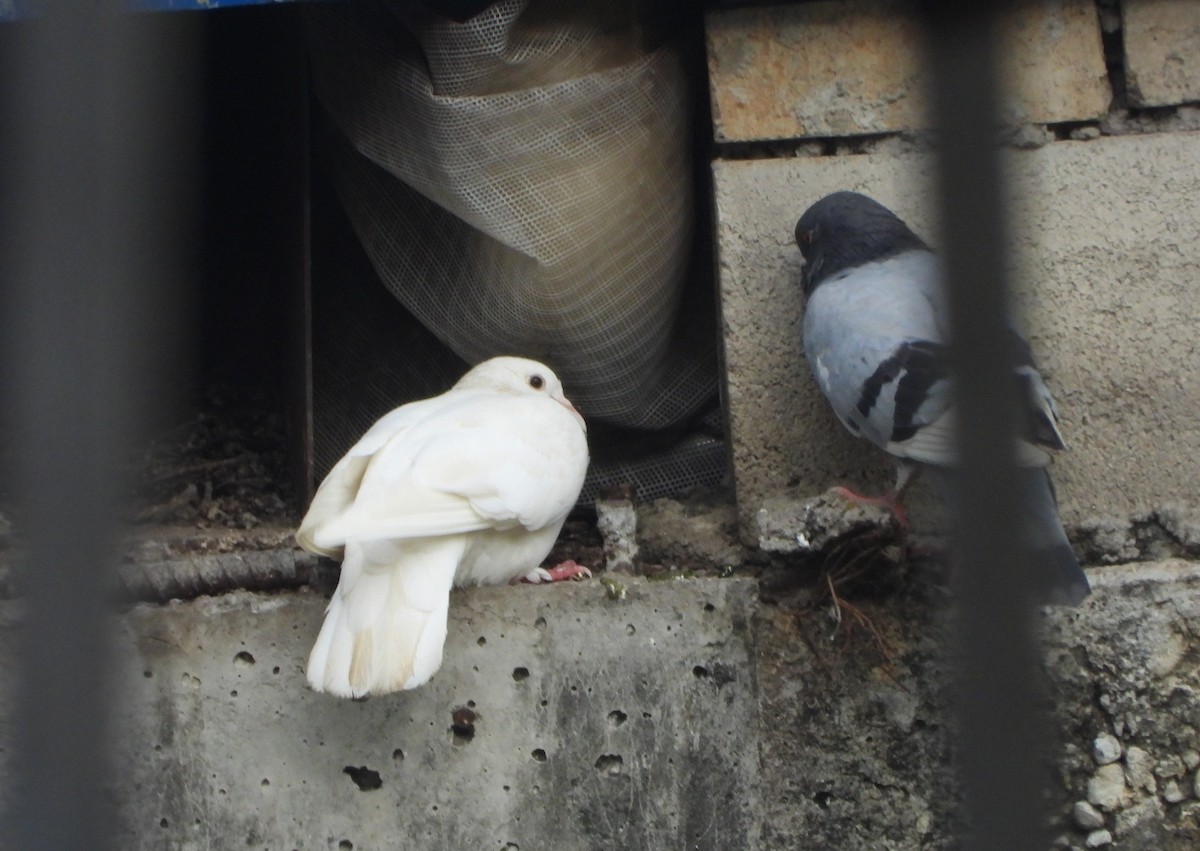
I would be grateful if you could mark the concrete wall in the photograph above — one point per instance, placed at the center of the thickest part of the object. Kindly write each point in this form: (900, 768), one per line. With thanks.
(1106, 229)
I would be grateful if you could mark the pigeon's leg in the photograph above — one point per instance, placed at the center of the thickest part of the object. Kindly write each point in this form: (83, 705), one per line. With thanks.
(567, 570)
(887, 501)
(893, 500)
(906, 477)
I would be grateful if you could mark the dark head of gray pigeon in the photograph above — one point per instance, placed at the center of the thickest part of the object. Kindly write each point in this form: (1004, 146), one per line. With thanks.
(875, 335)
(847, 229)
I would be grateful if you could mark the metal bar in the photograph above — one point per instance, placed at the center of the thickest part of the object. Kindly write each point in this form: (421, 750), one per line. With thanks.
(299, 207)
(88, 292)
(1001, 743)
(193, 5)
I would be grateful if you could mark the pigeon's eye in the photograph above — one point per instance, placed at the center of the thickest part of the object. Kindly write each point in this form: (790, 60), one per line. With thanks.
(805, 237)
(537, 382)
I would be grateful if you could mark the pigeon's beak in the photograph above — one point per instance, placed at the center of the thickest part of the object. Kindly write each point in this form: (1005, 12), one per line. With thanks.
(566, 403)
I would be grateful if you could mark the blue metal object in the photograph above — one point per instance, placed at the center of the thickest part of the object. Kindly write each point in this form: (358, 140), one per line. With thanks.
(15, 10)
(178, 5)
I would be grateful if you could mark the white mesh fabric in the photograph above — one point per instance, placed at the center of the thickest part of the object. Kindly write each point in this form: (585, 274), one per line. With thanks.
(522, 184)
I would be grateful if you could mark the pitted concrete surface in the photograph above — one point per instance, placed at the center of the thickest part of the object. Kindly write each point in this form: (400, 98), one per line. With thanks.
(857, 737)
(685, 715)
(561, 719)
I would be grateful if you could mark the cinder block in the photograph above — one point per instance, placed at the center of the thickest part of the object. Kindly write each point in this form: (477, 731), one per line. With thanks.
(848, 67)
(1162, 51)
(1108, 239)
(560, 719)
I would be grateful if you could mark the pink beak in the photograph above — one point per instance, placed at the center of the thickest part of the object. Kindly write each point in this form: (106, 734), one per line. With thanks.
(566, 403)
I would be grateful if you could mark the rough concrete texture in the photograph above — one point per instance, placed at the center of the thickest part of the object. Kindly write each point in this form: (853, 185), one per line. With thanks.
(699, 532)
(561, 719)
(1162, 51)
(789, 525)
(1124, 668)
(1108, 236)
(870, 725)
(847, 67)
(616, 521)
(685, 715)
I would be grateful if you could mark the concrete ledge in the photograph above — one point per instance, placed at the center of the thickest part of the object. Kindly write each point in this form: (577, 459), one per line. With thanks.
(684, 714)
(562, 719)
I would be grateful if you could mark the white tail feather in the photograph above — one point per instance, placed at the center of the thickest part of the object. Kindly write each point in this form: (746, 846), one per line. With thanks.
(385, 626)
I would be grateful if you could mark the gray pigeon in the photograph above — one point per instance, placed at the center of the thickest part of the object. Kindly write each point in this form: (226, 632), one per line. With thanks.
(876, 328)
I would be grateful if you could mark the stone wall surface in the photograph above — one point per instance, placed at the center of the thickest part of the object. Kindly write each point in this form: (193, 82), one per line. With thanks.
(847, 68)
(1103, 169)
(1107, 233)
(1162, 51)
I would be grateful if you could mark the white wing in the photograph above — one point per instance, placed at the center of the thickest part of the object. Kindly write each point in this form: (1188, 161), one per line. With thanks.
(481, 460)
(340, 487)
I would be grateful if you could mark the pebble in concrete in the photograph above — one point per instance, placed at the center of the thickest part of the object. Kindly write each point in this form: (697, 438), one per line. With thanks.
(1106, 748)
(1098, 839)
(1173, 793)
(617, 521)
(1086, 816)
(1138, 772)
(1107, 789)
(1141, 825)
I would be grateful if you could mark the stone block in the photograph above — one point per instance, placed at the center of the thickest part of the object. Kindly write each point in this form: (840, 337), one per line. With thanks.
(847, 67)
(1162, 51)
(560, 719)
(1107, 233)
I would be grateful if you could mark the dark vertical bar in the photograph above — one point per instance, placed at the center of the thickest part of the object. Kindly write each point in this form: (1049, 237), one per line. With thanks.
(85, 283)
(1001, 753)
(300, 365)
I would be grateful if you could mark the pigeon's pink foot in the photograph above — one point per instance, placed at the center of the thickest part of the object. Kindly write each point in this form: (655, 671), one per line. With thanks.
(891, 501)
(566, 570)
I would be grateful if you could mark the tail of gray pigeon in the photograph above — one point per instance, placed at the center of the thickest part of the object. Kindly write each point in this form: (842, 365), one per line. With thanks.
(1061, 580)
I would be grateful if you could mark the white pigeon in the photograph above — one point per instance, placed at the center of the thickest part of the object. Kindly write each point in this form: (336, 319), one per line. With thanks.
(467, 488)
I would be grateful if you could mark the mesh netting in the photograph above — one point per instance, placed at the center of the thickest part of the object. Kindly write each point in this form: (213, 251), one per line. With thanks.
(521, 184)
